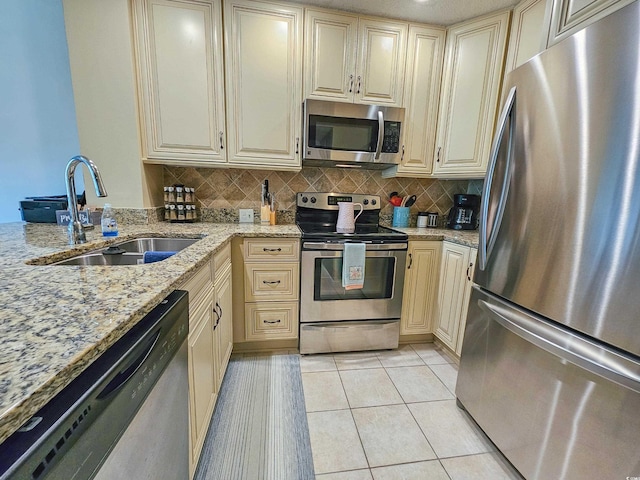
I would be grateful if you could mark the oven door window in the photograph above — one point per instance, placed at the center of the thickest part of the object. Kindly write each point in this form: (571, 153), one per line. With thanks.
(378, 279)
(348, 134)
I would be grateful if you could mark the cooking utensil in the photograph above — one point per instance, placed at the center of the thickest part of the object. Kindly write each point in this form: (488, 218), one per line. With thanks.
(410, 200)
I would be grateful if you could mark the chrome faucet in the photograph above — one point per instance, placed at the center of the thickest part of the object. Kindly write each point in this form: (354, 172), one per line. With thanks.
(76, 230)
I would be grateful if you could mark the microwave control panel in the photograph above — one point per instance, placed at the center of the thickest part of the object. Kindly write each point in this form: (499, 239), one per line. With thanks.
(391, 140)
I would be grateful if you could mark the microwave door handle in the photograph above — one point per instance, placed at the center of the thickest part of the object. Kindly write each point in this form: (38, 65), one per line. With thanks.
(380, 135)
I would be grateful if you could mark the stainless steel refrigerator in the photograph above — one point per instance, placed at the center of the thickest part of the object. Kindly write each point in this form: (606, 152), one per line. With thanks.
(550, 364)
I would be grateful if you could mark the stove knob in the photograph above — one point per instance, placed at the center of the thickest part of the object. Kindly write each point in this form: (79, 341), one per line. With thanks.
(366, 201)
(305, 199)
(373, 202)
(313, 199)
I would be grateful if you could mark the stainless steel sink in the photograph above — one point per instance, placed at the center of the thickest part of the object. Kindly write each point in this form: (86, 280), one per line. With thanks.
(129, 252)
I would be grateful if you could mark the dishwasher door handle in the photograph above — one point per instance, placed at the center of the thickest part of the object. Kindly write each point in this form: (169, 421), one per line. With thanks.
(126, 373)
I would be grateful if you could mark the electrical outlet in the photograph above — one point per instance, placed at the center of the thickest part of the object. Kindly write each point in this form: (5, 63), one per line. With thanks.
(246, 215)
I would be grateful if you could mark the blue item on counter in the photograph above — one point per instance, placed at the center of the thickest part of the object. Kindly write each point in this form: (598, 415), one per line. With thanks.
(400, 217)
(151, 256)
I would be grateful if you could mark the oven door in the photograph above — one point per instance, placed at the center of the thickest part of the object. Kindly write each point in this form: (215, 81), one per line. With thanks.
(324, 299)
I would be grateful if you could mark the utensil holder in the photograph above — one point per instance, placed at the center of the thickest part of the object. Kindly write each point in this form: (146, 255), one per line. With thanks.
(400, 217)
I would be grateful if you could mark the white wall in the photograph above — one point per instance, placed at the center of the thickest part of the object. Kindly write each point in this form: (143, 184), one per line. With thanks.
(38, 131)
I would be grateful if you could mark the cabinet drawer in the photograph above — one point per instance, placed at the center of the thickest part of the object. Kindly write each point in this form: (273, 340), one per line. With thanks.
(266, 321)
(270, 249)
(197, 286)
(271, 282)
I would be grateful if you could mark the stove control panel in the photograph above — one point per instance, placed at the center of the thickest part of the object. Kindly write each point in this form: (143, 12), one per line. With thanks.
(330, 200)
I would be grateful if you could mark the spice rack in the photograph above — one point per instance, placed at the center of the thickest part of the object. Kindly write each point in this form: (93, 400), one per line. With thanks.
(180, 204)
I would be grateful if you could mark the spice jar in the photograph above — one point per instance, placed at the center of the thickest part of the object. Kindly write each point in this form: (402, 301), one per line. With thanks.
(179, 194)
(167, 213)
(172, 194)
(173, 214)
(181, 215)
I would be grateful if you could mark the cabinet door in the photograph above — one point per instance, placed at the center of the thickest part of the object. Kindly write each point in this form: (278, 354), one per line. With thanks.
(202, 376)
(469, 99)
(420, 294)
(330, 55)
(381, 62)
(181, 80)
(422, 89)
(569, 16)
(263, 52)
(455, 259)
(471, 268)
(224, 328)
(528, 35)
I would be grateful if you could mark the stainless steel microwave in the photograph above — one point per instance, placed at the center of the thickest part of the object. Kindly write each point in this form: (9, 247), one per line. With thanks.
(340, 134)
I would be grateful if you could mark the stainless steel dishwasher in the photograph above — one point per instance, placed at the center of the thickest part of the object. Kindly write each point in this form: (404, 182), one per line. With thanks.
(125, 416)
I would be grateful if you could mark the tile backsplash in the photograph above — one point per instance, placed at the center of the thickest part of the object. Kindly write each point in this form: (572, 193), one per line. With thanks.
(221, 192)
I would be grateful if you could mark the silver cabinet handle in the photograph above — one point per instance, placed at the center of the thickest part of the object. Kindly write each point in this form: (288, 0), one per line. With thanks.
(221, 133)
(271, 282)
(359, 82)
(486, 238)
(265, 249)
(272, 321)
(351, 83)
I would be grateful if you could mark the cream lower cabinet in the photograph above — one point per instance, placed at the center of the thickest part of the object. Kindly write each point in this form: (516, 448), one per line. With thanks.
(269, 300)
(455, 288)
(209, 344)
(469, 96)
(181, 81)
(354, 59)
(263, 54)
(566, 17)
(420, 293)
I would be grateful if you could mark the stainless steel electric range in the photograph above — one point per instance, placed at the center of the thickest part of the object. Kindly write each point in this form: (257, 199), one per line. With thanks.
(332, 318)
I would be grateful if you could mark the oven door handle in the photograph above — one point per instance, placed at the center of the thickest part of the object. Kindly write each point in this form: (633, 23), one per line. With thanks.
(340, 246)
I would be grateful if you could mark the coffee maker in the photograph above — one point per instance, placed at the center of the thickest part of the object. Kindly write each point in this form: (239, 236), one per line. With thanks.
(464, 213)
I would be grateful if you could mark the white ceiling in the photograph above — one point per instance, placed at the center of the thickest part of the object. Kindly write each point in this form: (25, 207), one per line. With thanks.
(435, 12)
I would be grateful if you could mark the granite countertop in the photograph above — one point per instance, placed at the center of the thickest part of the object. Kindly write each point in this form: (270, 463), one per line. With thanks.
(57, 319)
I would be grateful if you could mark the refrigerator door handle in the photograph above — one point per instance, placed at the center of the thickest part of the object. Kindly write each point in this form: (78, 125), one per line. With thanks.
(487, 238)
(567, 346)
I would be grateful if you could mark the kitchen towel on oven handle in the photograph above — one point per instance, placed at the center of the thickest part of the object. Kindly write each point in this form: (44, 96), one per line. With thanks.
(353, 259)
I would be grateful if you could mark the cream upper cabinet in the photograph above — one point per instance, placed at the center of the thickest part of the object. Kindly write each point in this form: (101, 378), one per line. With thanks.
(420, 295)
(425, 52)
(528, 34)
(263, 53)
(181, 77)
(568, 16)
(469, 96)
(354, 59)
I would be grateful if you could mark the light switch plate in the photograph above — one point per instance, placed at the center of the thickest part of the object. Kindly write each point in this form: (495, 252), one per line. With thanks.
(246, 215)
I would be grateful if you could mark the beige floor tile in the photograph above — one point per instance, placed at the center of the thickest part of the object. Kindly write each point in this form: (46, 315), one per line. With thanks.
(418, 384)
(404, 356)
(353, 361)
(484, 465)
(323, 391)
(412, 471)
(317, 363)
(350, 475)
(390, 435)
(432, 354)
(334, 442)
(369, 388)
(449, 430)
(448, 374)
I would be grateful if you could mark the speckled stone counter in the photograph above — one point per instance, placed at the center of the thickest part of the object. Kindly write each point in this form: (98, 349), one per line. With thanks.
(56, 319)
(462, 237)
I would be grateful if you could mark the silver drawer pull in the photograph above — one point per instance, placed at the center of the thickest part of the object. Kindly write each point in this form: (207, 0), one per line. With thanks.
(271, 282)
(265, 249)
(272, 321)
